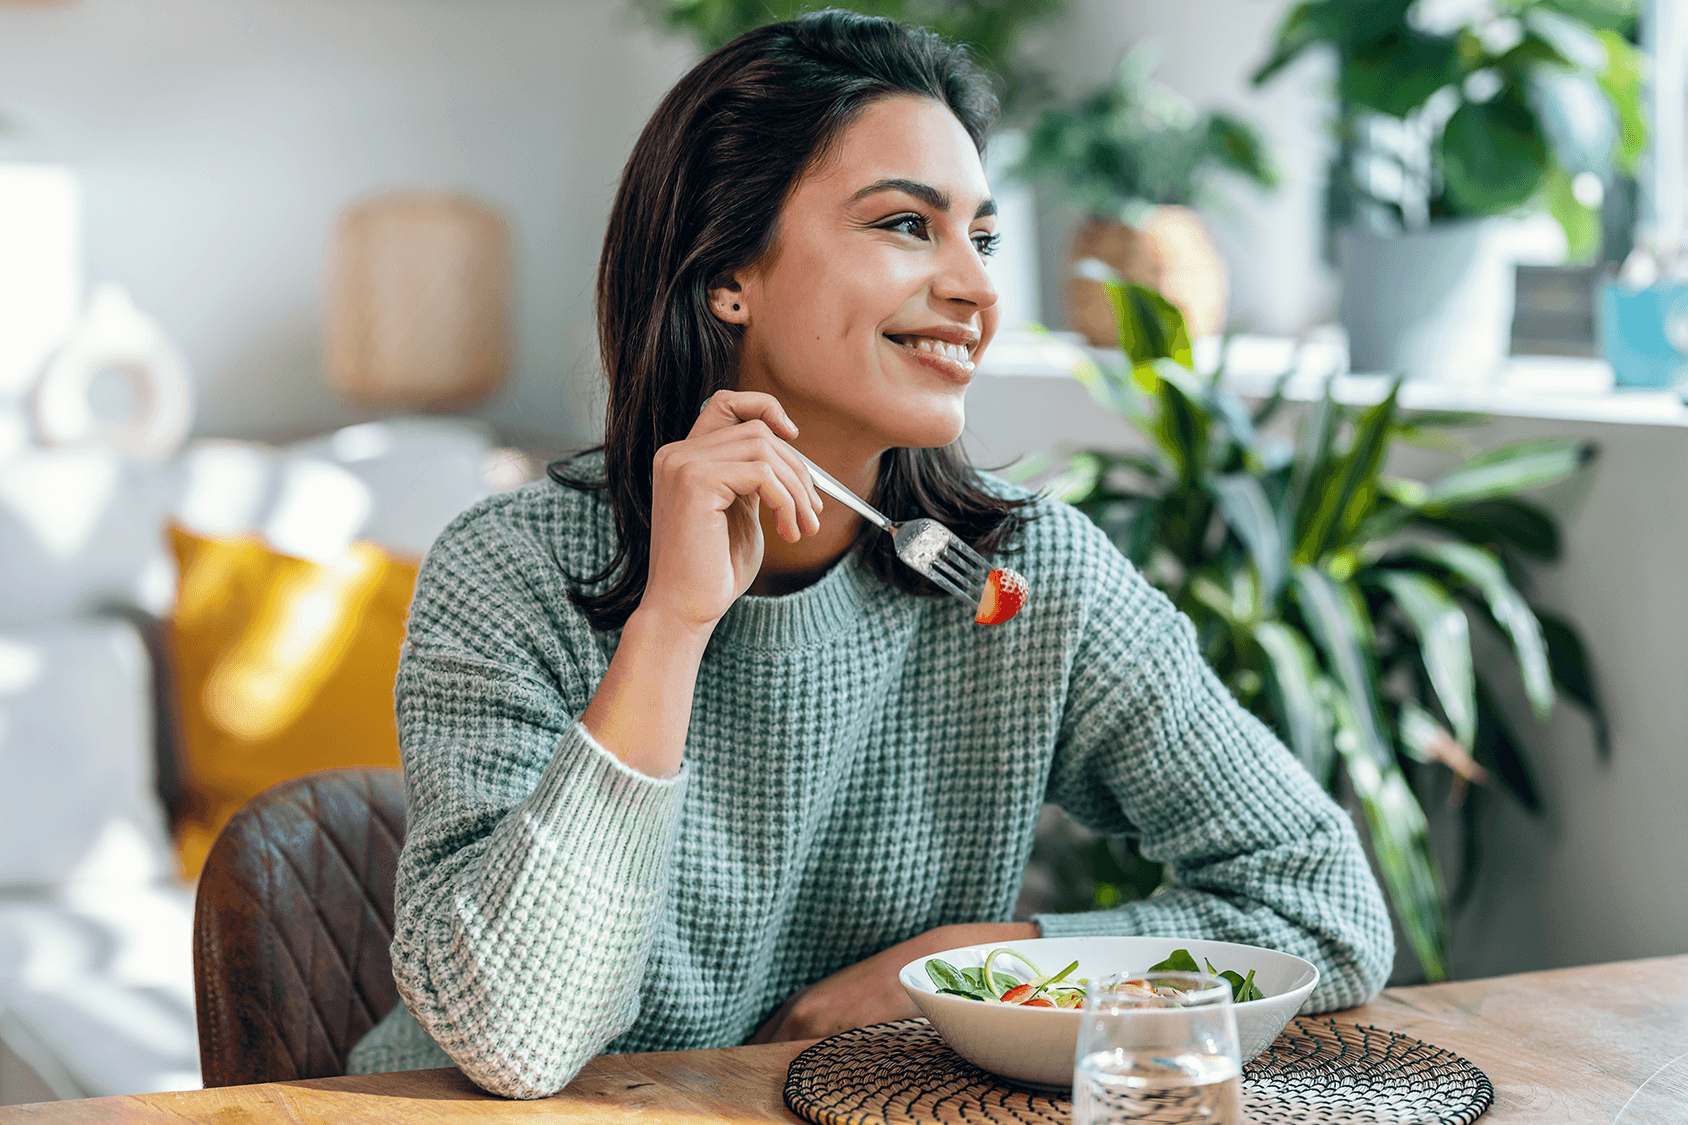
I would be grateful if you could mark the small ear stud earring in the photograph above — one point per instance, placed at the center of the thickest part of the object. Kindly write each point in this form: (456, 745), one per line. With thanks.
(735, 308)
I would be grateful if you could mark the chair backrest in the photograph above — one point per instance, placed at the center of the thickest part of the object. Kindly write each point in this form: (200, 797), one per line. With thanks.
(292, 926)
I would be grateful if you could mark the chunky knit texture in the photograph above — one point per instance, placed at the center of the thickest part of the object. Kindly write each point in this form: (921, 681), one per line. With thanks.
(862, 765)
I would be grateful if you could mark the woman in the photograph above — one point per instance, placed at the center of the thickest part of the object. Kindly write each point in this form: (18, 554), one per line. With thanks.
(691, 758)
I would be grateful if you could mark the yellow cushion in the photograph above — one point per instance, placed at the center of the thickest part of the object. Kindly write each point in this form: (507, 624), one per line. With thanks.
(282, 666)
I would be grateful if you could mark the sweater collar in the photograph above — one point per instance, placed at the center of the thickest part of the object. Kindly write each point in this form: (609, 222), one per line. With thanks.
(834, 605)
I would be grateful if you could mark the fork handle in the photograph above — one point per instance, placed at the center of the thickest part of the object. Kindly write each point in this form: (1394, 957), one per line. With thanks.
(824, 482)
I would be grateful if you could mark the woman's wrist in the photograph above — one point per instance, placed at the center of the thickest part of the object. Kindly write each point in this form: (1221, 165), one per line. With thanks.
(670, 632)
(642, 709)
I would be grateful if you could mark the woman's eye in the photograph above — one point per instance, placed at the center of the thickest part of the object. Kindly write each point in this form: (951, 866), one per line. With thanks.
(908, 224)
(987, 243)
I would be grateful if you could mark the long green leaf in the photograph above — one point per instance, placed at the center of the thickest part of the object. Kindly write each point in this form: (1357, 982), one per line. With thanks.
(1080, 480)
(1140, 543)
(1300, 29)
(1509, 469)
(1507, 522)
(1274, 402)
(1342, 508)
(1111, 384)
(1624, 80)
(1336, 618)
(1575, 675)
(1231, 413)
(1426, 740)
(1150, 326)
(1294, 679)
(1498, 749)
(1400, 839)
(1181, 427)
(1483, 571)
(1312, 460)
(1249, 513)
(1444, 637)
(1442, 420)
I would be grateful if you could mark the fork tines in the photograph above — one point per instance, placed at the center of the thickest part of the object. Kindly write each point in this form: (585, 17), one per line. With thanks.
(961, 570)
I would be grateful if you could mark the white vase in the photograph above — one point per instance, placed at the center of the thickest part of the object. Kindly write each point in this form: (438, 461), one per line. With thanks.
(1434, 304)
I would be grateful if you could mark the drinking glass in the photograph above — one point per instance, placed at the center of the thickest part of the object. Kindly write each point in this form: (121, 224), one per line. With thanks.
(1158, 1047)
(1663, 1097)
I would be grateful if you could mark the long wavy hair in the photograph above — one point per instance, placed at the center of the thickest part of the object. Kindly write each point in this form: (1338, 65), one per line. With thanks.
(700, 199)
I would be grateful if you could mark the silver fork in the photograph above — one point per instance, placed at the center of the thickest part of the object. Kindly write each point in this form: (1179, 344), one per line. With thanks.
(924, 544)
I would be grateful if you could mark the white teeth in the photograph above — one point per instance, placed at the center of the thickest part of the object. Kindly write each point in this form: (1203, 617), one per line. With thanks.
(956, 352)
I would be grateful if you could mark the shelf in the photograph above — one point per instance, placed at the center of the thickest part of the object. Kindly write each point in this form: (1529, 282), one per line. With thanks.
(1552, 387)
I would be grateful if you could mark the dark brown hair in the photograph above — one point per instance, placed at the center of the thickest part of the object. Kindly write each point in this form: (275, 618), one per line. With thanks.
(700, 198)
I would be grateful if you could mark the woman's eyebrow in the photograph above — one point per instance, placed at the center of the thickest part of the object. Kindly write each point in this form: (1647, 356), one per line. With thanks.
(926, 193)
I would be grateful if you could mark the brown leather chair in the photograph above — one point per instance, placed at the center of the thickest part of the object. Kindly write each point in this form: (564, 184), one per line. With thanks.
(292, 925)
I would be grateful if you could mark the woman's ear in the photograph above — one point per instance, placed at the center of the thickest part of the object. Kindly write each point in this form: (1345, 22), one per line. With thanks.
(726, 300)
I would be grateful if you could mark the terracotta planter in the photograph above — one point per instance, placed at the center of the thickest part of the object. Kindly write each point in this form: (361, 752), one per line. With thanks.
(1170, 251)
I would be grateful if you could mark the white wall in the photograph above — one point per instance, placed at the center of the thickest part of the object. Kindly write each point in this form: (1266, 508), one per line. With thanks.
(1279, 281)
(216, 140)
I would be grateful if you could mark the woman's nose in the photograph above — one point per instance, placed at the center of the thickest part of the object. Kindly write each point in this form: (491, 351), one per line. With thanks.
(962, 276)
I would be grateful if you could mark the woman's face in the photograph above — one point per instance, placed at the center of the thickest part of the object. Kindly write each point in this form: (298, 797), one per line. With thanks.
(869, 314)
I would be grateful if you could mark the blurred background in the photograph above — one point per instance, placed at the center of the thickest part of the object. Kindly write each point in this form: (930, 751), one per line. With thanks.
(286, 284)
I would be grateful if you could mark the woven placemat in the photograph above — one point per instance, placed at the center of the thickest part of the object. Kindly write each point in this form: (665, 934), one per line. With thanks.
(1318, 1072)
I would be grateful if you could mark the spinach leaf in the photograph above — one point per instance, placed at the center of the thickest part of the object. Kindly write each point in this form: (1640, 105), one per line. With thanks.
(943, 975)
(1179, 962)
(1242, 989)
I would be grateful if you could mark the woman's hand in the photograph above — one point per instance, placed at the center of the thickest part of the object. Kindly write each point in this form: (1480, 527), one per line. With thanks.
(868, 992)
(706, 498)
(707, 494)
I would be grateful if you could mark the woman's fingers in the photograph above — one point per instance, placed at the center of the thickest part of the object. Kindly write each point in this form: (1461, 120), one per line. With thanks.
(754, 426)
(752, 441)
(729, 408)
(746, 460)
(763, 480)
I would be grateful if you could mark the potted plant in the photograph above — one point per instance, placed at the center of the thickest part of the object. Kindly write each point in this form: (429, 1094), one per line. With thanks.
(1336, 602)
(1134, 156)
(991, 28)
(1451, 115)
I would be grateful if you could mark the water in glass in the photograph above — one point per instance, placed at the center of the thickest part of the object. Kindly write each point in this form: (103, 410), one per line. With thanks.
(1118, 1087)
(1160, 1048)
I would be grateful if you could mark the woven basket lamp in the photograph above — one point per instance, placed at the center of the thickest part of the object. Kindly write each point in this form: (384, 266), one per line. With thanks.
(418, 302)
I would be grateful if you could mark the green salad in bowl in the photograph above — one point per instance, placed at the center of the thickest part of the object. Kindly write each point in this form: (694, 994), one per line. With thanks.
(1019, 1017)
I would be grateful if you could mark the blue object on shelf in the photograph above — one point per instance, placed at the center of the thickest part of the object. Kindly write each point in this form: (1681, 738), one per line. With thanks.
(1636, 330)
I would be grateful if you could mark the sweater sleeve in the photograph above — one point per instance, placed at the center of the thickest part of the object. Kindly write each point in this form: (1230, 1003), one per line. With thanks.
(1153, 744)
(535, 863)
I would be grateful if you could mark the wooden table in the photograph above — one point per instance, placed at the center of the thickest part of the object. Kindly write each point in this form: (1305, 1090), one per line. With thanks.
(1568, 1046)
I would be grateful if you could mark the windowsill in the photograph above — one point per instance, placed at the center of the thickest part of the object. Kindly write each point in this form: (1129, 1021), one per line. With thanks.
(1553, 387)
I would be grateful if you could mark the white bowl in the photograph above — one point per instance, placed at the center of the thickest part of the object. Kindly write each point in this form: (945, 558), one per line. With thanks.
(1035, 1045)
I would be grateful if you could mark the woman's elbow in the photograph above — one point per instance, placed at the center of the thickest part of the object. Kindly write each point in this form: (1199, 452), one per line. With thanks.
(510, 1043)
(1359, 953)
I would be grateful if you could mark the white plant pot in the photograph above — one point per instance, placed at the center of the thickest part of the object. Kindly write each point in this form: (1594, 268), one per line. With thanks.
(1434, 304)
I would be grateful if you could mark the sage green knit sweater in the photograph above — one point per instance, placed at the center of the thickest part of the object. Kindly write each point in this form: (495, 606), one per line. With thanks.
(862, 765)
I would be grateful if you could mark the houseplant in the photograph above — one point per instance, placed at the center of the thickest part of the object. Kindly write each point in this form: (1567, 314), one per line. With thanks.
(1336, 602)
(991, 28)
(1134, 156)
(1450, 115)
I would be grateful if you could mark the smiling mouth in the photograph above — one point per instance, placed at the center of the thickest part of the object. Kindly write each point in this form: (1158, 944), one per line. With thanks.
(954, 358)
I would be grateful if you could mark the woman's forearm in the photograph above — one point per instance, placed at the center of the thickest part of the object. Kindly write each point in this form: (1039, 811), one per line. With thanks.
(643, 707)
